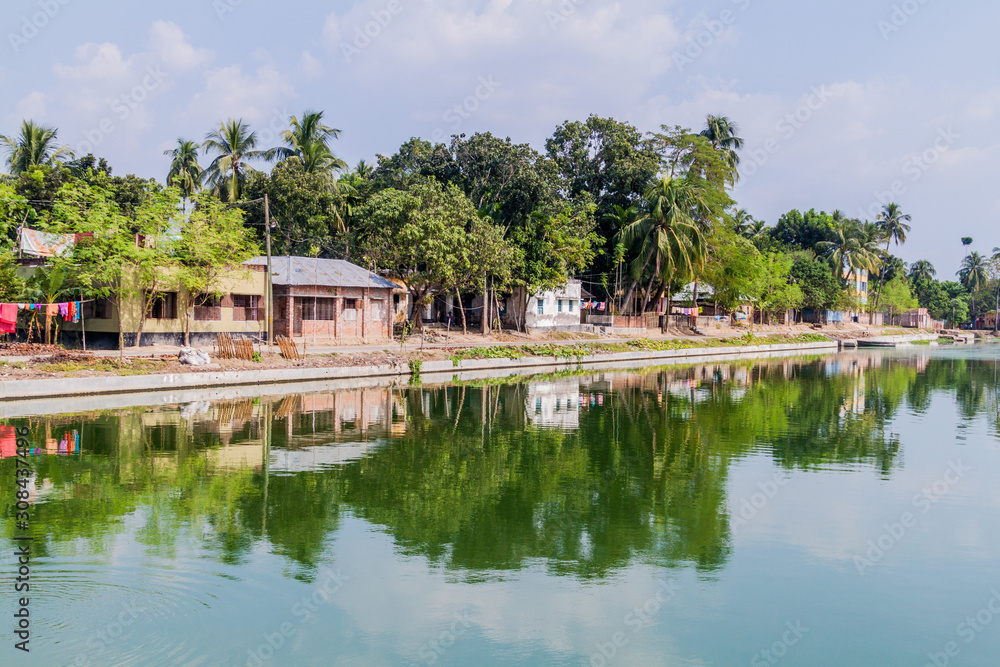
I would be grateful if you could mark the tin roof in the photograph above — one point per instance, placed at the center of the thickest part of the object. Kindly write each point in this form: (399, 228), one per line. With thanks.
(303, 271)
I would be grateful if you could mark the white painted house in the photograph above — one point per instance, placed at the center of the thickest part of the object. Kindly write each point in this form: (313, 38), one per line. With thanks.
(553, 310)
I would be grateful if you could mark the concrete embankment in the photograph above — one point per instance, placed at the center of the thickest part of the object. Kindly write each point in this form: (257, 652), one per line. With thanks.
(173, 384)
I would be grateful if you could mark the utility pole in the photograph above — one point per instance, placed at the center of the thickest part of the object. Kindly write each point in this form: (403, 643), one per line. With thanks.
(270, 290)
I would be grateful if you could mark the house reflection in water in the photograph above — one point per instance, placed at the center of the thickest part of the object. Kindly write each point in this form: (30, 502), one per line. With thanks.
(554, 404)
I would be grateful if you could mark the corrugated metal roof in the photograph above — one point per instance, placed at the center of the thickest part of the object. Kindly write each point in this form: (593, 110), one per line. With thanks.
(302, 271)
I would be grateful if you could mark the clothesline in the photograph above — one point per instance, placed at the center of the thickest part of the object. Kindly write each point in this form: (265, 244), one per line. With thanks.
(70, 311)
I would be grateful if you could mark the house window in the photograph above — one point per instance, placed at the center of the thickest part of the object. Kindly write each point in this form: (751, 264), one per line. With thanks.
(350, 304)
(247, 308)
(99, 309)
(571, 305)
(541, 306)
(322, 310)
(560, 305)
(375, 311)
(164, 306)
(207, 308)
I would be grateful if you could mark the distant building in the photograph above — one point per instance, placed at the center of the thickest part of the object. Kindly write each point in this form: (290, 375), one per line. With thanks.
(552, 310)
(330, 299)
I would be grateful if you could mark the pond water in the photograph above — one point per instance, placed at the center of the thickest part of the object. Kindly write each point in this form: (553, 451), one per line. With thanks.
(841, 510)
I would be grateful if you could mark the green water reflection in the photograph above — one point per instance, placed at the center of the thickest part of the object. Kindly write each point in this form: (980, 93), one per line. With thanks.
(573, 482)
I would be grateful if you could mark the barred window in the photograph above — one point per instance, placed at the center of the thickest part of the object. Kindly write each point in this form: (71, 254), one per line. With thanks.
(350, 304)
(541, 307)
(207, 308)
(323, 310)
(247, 308)
(164, 306)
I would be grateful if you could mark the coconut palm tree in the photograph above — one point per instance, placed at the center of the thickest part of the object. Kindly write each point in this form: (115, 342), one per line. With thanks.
(235, 144)
(893, 228)
(922, 270)
(854, 247)
(671, 237)
(364, 171)
(184, 172)
(974, 273)
(722, 133)
(35, 146)
(309, 140)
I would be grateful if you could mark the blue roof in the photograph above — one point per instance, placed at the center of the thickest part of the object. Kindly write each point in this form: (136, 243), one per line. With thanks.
(307, 271)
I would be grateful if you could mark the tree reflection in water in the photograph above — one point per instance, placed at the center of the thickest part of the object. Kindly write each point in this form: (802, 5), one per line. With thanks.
(584, 473)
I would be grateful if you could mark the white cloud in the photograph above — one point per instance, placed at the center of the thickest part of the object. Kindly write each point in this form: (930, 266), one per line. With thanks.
(262, 98)
(309, 66)
(170, 46)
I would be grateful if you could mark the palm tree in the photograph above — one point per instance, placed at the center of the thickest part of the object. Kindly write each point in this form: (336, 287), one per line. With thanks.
(742, 221)
(922, 270)
(974, 274)
(722, 132)
(235, 144)
(671, 237)
(853, 247)
(184, 170)
(309, 140)
(966, 241)
(364, 171)
(35, 146)
(893, 228)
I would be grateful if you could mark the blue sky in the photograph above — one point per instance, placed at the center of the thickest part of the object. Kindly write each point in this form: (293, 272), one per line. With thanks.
(842, 105)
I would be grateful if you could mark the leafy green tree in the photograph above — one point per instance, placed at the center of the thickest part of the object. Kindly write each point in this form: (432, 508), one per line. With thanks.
(554, 247)
(805, 231)
(776, 292)
(735, 270)
(607, 159)
(11, 284)
(234, 144)
(417, 235)
(185, 173)
(820, 289)
(304, 209)
(112, 265)
(212, 246)
(897, 298)
(35, 146)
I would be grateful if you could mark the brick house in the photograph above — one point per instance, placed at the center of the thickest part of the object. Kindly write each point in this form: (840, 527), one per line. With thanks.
(330, 299)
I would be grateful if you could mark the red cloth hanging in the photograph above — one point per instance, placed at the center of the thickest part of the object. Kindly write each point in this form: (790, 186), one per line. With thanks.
(8, 317)
(8, 442)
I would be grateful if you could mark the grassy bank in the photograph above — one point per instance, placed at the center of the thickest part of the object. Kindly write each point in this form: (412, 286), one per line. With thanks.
(639, 345)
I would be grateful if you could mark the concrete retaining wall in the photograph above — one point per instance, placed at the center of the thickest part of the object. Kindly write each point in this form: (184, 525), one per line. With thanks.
(49, 388)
